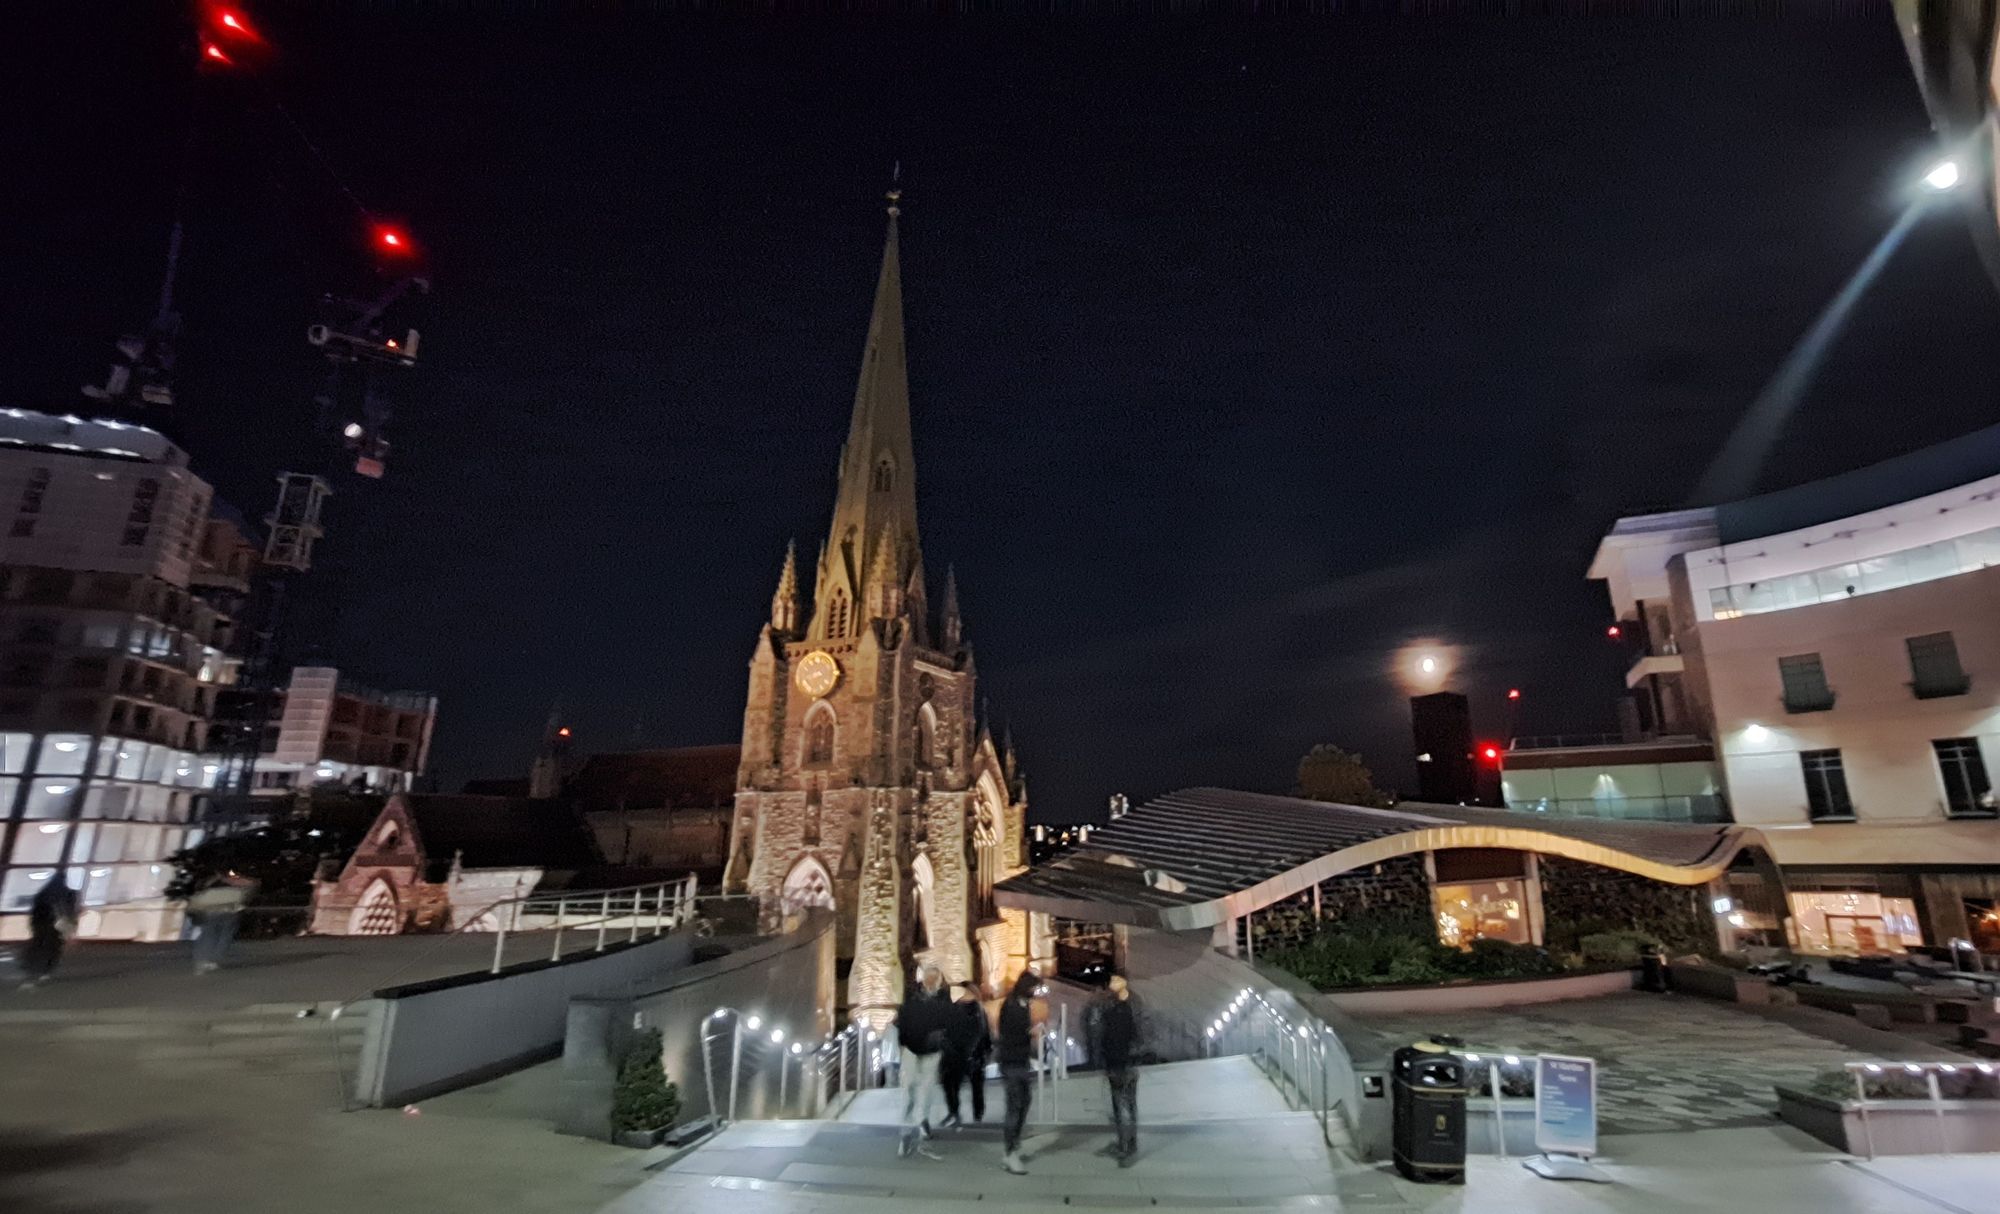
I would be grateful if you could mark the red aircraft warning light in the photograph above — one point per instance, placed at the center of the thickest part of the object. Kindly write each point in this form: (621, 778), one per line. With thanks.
(213, 53)
(1614, 632)
(1489, 752)
(391, 239)
(563, 732)
(1513, 693)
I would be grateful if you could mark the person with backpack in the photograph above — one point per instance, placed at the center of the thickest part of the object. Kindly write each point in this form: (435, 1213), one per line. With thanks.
(968, 1042)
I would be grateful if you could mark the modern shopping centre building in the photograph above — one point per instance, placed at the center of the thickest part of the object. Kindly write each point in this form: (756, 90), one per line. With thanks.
(1829, 657)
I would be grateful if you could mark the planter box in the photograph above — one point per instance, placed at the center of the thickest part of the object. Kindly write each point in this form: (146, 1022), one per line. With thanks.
(640, 1139)
(1719, 982)
(1894, 1127)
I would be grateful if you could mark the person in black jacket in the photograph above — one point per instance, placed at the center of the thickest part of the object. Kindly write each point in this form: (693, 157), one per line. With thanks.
(1115, 1033)
(1016, 1052)
(967, 1042)
(921, 1024)
(51, 921)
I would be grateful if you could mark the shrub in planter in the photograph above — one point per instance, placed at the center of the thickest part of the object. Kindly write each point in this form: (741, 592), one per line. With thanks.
(1621, 947)
(644, 1102)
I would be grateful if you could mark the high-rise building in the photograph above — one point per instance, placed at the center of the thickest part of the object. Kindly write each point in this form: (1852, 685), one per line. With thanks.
(112, 649)
(1441, 726)
(868, 785)
(331, 730)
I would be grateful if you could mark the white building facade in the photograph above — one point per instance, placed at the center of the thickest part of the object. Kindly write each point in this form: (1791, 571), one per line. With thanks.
(109, 667)
(1839, 645)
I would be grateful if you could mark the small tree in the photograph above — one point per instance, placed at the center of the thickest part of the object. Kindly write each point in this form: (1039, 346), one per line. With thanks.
(644, 1099)
(1328, 773)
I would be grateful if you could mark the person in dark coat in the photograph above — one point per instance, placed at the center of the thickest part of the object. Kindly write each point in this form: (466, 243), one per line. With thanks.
(921, 1024)
(968, 1041)
(51, 922)
(1115, 1036)
(1015, 1051)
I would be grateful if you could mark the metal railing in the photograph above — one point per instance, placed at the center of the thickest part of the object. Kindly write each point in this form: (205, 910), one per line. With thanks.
(1934, 1076)
(1706, 807)
(1579, 741)
(1297, 1051)
(654, 909)
(854, 1059)
(844, 1063)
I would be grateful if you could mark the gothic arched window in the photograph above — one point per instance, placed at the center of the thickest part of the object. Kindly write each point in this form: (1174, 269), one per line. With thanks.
(923, 739)
(885, 474)
(819, 736)
(836, 616)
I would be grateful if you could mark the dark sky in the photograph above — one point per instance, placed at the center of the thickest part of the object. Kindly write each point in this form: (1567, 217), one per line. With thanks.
(1242, 353)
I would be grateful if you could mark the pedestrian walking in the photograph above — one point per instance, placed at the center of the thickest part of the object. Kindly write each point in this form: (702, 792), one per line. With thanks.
(968, 1043)
(1114, 1032)
(217, 911)
(1015, 1050)
(51, 922)
(921, 1025)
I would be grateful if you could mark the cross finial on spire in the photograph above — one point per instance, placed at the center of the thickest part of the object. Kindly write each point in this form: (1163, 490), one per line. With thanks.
(895, 194)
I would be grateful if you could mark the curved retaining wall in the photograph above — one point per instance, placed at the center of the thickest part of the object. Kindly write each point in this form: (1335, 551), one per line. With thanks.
(1474, 994)
(787, 981)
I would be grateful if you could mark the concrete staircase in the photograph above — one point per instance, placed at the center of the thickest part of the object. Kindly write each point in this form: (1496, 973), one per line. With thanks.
(267, 1038)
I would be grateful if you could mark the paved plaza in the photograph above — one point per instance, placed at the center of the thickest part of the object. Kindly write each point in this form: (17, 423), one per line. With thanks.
(90, 1126)
(1257, 1157)
(1666, 1062)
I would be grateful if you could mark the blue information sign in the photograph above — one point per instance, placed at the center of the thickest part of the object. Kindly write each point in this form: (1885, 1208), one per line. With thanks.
(1566, 1104)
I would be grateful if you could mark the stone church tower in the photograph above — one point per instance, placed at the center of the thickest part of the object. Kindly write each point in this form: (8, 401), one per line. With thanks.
(868, 785)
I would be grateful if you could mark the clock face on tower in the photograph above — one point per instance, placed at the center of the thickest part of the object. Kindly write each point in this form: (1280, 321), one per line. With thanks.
(817, 673)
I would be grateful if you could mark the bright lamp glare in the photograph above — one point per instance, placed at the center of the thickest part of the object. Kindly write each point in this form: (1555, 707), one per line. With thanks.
(1943, 175)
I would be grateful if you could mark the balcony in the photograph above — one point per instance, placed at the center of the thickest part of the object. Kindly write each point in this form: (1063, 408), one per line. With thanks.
(1652, 664)
(1941, 688)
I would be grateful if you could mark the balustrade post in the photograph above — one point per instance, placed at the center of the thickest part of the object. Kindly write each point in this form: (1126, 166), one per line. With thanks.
(603, 918)
(555, 950)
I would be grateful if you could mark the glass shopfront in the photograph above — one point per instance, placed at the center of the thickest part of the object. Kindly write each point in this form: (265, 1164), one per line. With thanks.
(1855, 921)
(1483, 910)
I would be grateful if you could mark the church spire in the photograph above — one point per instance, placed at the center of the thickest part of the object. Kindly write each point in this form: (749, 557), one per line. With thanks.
(952, 630)
(877, 499)
(785, 603)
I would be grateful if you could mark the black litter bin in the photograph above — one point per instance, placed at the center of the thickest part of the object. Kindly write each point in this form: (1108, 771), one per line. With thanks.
(1428, 1114)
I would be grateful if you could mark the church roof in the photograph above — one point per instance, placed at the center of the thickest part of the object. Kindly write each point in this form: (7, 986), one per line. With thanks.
(687, 777)
(499, 832)
(1197, 856)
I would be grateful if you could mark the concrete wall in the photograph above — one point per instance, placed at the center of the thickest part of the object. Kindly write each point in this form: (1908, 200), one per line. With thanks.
(431, 1037)
(787, 981)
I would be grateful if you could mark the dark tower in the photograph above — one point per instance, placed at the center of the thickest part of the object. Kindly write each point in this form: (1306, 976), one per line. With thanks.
(1441, 723)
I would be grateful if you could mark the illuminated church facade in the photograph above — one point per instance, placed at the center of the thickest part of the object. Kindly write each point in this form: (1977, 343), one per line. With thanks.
(868, 783)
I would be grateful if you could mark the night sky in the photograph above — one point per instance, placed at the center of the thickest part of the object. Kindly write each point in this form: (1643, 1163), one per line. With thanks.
(1242, 353)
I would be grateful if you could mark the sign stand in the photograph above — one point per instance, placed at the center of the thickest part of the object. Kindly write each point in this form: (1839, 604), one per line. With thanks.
(1565, 1119)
